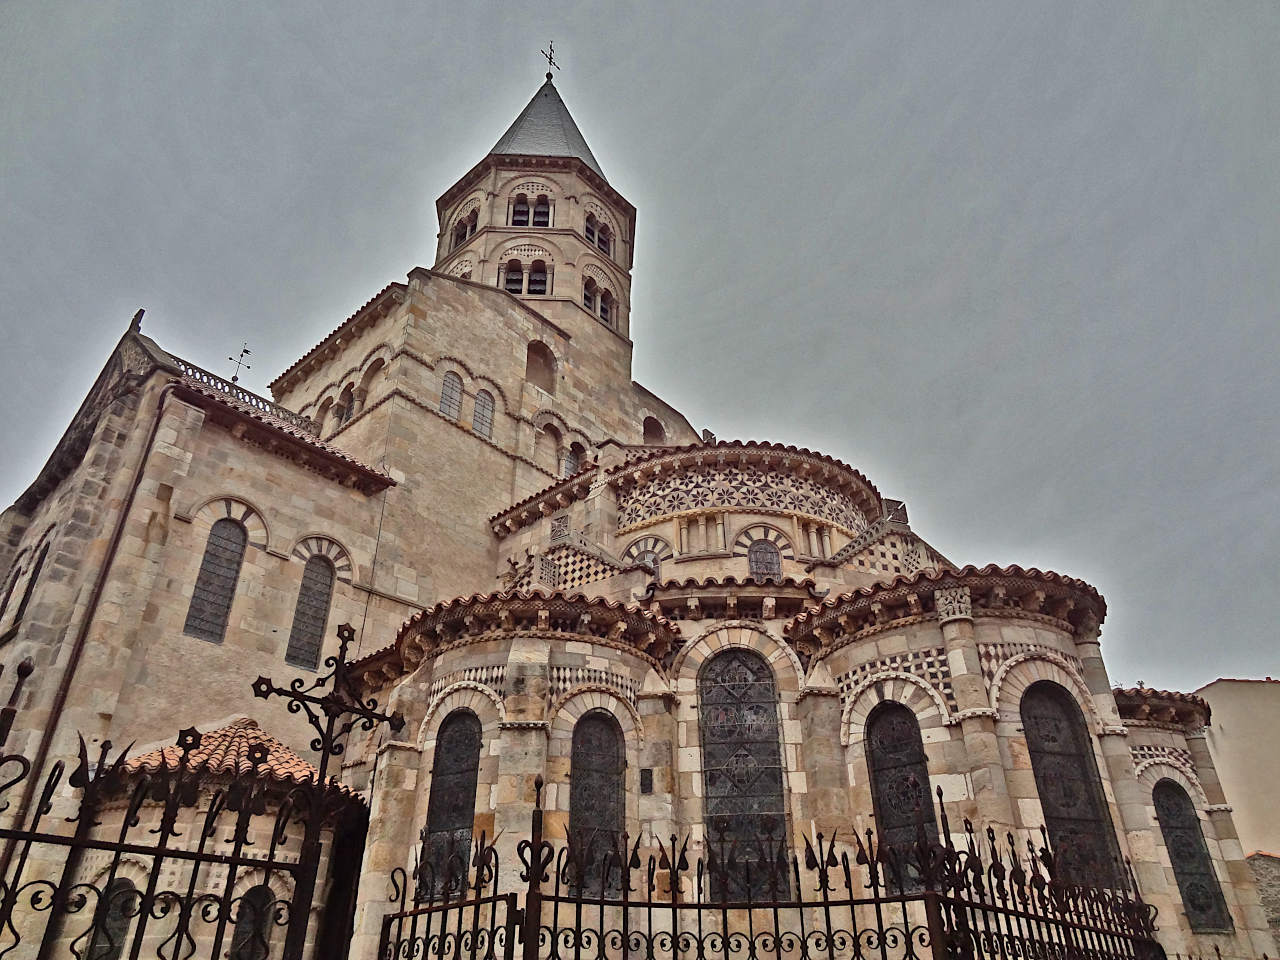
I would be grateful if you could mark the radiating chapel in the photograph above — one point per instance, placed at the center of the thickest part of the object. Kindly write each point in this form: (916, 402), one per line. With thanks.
(554, 575)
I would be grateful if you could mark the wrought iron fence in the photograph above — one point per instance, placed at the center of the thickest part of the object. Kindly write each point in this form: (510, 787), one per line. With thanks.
(968, 894)
(190, 859)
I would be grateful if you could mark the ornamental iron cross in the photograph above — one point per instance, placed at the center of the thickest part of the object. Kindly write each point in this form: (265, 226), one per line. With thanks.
(550, 54)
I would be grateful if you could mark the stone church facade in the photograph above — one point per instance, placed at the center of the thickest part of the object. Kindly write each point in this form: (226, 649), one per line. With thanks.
(553, 575)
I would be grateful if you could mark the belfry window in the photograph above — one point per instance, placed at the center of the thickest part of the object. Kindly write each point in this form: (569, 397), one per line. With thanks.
(596, 797)
(899, 785)
(482, 422)
(591, 228)
(1180, 827)
(446, 839)
(216, 583)
(451, 395)
(311, 614)
(542, 211)
(1066, 775)
(589, 295)
(520, 211)
(514, 282)
(606, 307)
(604, 239)
(763, 560)
(742, 775)
(538, 278)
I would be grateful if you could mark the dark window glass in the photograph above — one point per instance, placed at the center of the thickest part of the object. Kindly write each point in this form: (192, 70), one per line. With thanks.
(742, 776)
(589, 296)
(1201, 893)
(606, 307)
(520, 212)
(899, 785)
(451, 396)
(446, 839)
(482, 422)
(251, 939)
(111, 924)
(596, 793)
(764, 560)
(541, 212)
(591, 229)
(1066, 774)
(216, 583)
(515, 278)
(460, 232)
(602, 239)
(311, 614)
(8, 593)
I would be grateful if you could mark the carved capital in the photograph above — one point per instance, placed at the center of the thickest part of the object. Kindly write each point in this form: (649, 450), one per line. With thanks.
(953, 603)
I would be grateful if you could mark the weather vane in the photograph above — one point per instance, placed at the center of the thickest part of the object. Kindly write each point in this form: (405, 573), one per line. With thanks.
(239, 362)
(550, 54)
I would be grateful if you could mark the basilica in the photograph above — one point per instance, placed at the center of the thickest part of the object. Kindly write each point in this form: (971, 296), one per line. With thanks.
(569, 595)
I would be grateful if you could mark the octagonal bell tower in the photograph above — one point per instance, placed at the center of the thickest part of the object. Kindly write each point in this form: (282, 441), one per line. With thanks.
(537, 218)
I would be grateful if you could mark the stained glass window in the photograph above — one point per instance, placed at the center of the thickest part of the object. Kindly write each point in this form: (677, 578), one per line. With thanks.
(311, 614)
(764, 560)
(596, 796)
(1066, 774)
(446, 839)
(745, 814)
(482, 422)
(451, 396)
(119, 902)
(899, 784)
(1180, 826)
(216, 583)
(251, 939)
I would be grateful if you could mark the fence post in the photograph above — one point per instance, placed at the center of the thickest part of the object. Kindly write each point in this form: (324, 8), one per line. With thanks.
(937, 929)
(537, 863)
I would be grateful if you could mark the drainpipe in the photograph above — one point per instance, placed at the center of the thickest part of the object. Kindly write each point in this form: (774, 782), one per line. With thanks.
(82, 634)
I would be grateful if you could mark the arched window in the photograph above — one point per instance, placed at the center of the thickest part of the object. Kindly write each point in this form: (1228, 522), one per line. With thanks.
(596, 797)
(573, 458)
(251, 938)
(346, 407)
(472, 219)
(589, 295)
(546, 448)
(446, 839)
(451, 395)
(514, 281)
(520, 211)
(111, 923)
(370, 378)
(459, 232)
(322, 415)
(310, 614)
(604, 239)
(538, 278)
(540, 366)
(606, 307)
(482, 422)
(30, 587)
(900, 792)
(1066, 774)
(742, 774)
(8, 591)
(216, 583)
(763, 560)
(591, 228)
(653, 431)
(1180, 826)
(542, 211)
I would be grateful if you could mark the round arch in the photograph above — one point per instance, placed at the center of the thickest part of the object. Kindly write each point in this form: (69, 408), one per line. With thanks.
(914, 693)
(1016, 674)
(234, 508)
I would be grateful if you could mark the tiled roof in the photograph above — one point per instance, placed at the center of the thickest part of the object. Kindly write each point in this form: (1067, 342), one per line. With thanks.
(545, 129)
(225, 752)
(1140, 703)
(565, 485)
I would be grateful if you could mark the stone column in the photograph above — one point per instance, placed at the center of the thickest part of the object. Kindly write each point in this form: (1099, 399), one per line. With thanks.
(826, 541)
(811, 534)
(703, 545)
(826, 804)
(977, 719)
(522, 754)
(721, 545)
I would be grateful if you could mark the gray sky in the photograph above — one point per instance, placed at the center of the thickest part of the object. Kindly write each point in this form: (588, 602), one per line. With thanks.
(1017, 263)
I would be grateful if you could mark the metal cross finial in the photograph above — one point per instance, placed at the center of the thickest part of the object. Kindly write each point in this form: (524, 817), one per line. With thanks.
(239, 362)
(550, 54)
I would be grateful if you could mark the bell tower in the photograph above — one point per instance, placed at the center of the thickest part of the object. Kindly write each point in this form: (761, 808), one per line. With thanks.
(537, 218)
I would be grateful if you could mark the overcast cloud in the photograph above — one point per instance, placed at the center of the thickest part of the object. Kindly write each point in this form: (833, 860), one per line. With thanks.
(1017, 263)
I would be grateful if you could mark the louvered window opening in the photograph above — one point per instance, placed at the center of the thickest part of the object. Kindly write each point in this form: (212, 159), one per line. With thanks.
(251, 939)
(764, 560)
(538, 278)
(311, 614)
(542, 212)
(900, 793)
(215, 587)
(515, 279)
(520, 212)
(745, 814)
(451, 396)
(1071, 798)
(482, 422)
(596, 798)
(446, 839)
(115, 913)
(1193, 869)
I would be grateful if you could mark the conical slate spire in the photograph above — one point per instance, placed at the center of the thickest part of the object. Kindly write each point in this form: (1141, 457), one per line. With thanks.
(545, 129)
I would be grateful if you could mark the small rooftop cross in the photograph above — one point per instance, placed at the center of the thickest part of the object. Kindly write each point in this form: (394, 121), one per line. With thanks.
(550, 54)
(239, 362)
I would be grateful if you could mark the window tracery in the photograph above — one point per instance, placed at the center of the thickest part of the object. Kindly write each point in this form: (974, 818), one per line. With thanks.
(451, 395)
(596, 799)
(900, 793)
(215, 587)
(744, 809)
(446, 839)
(311, 613)
(1189, 855)
(1070, 789)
